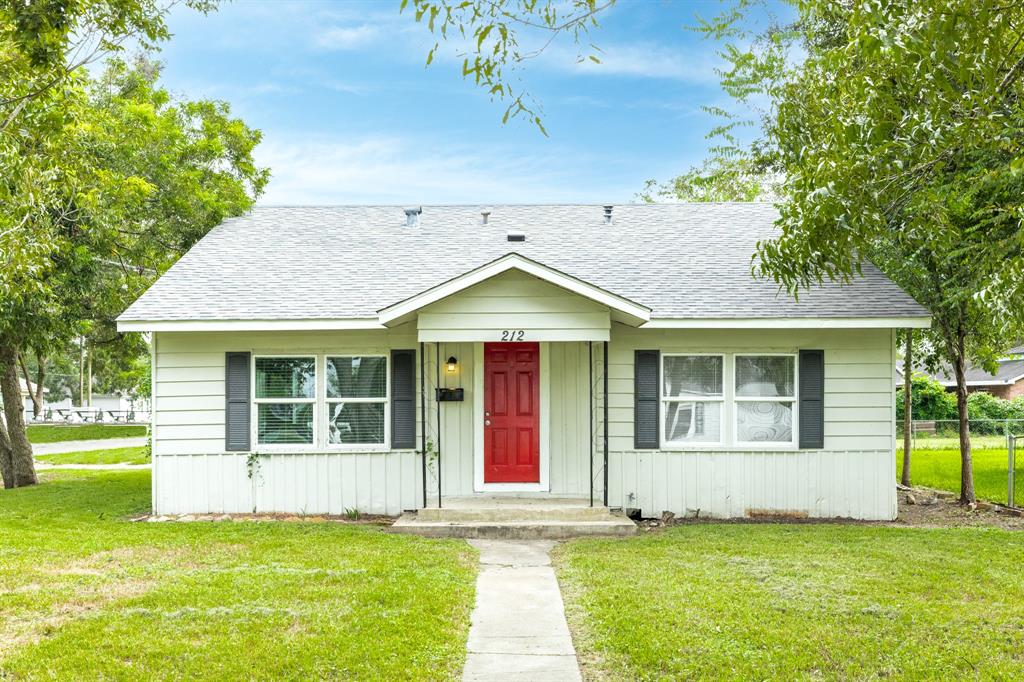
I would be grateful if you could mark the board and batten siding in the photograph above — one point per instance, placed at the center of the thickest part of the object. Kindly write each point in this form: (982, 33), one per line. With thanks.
(193, 473)
(567, 409)
(852, 476)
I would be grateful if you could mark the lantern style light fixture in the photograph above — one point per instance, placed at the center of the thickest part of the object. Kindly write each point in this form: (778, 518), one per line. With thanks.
(452, 364)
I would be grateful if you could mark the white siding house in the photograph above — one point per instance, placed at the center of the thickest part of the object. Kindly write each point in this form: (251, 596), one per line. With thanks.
(633, 362)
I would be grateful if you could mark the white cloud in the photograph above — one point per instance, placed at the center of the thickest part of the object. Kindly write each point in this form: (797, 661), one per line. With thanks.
(393, 170)
(645, 60)
(347, 37)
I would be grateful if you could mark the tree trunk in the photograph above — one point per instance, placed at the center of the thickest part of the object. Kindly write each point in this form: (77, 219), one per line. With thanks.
(34, 392)
(908, 411)
(23, 467)
(6, 457)
(966, 466)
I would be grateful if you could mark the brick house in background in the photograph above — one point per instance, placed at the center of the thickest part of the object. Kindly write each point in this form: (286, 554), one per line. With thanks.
(1006, 383)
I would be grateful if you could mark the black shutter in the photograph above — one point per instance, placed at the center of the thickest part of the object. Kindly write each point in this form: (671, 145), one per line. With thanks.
(236, 409)
(403, 399)
(645, 399)
(812, 399)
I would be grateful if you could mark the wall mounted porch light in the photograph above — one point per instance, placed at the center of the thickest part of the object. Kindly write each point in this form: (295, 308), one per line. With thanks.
(452, 364)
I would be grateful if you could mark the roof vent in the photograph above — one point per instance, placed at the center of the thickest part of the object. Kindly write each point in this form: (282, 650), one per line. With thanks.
(412, 216)
(485, 213)
(608, 215)
(517, 236)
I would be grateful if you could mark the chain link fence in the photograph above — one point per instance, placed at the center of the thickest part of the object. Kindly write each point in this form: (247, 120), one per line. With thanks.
(998, 470)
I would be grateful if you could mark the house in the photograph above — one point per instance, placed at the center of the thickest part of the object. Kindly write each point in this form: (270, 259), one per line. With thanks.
(1006, 383)
(319, 359)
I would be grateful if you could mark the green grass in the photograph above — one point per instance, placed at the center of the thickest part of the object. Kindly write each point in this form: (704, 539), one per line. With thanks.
(925, 442)
(85, 594)
(940, 469)
(720, 601)
(112, 456)
(54, 433)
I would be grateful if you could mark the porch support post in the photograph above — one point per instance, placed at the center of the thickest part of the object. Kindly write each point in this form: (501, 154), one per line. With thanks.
(437, 349)
(423, 421)
(590, 430)
(605, 360)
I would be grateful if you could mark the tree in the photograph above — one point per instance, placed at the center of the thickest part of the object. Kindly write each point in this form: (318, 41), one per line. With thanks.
(500, 36)
(45, 42)
(110, 180)
(900, 139)
(722, 177)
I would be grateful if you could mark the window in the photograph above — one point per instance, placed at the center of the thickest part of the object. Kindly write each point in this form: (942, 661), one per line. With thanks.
(765, 395)
(692, 398)
(285, 397)
(356, 399)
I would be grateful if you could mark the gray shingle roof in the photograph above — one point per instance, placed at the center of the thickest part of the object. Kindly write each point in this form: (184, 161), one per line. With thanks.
(680, 260)
(1008, 372)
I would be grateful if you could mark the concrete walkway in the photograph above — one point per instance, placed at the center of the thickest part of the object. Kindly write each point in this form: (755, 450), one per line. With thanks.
(87, 445)
(518, 629)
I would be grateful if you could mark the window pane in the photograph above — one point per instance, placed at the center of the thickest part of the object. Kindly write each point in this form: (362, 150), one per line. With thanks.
(358, 423)
(769, 422)
(699, 422)
(285, 378)
(765, 376)
(285, 423)
(692, 375)
(356, 377)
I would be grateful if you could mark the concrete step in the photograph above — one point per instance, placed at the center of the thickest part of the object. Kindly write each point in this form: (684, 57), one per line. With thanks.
(536, 529)
(507, 513)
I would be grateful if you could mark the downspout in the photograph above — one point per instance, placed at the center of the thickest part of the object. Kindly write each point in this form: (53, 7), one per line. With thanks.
(590, 430)
(423, 422)
(605, 360)
(437, 347)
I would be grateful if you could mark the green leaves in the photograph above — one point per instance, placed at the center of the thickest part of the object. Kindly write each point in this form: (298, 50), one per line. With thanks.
(107, 182)
(491, 54)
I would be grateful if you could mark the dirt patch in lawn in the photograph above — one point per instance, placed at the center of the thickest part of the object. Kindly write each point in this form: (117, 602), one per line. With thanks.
(918, 507)
(932, 509)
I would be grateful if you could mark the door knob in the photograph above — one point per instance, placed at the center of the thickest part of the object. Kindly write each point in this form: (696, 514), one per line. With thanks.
(487, 422)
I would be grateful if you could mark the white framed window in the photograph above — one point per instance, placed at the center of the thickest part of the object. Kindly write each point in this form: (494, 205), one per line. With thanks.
(692, 399)
(284, 401)
(765, 397)
(356, 400)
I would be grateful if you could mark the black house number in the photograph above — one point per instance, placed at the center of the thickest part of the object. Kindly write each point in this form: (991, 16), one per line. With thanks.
(512, 334)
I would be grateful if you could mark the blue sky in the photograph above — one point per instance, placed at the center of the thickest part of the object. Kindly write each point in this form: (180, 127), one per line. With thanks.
(350, 114)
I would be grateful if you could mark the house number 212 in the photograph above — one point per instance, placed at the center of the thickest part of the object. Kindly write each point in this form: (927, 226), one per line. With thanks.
(512, 334)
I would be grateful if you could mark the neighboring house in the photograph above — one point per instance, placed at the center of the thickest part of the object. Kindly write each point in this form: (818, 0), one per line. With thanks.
(624, 355)
(1006, 383)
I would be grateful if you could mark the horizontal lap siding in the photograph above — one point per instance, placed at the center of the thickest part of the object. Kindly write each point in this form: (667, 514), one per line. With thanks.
(851, 477)
(194, 474)
(514, 301)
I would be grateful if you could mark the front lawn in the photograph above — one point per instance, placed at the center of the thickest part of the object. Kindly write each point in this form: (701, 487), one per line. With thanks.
(735, 601)
(86, 594)
(54, 433)
(112, 456)
(940, 469)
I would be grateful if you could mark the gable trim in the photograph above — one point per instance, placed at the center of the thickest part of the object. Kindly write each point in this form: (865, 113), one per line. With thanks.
(630, 311)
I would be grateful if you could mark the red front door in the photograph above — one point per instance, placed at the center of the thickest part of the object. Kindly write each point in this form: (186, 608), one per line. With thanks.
(511, 413)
